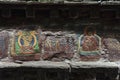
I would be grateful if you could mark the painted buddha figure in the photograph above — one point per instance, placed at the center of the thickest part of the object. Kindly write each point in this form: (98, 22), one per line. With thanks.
(26, 42)
(89, 42)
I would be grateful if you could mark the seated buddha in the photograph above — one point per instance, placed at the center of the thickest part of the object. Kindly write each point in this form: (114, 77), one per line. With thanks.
(89, 44)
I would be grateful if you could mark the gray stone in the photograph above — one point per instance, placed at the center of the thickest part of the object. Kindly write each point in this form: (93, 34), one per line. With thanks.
(110, 2)
(96, 64)
(46, 64)
(9, 65)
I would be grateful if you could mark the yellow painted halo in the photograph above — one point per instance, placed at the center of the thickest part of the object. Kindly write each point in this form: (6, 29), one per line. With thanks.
(34, 37)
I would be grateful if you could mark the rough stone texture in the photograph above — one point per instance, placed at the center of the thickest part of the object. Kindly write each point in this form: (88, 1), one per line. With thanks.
(105, 19)
(62, 65)
(97, 64)
(107, 2)
(9, 65)
(110, 3)
(36, 64)
(46, 64)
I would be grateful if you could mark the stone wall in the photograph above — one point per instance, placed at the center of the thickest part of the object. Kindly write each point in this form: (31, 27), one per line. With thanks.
(104, 16)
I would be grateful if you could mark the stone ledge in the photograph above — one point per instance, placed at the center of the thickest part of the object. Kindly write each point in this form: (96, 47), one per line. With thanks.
(36, 64)
(46, 64)
(110, 3)
(93, 65)
(9, 65)
(63, 3)
(83, 2)
(60, 65)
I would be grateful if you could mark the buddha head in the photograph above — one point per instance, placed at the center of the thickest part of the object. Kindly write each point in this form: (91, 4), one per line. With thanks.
(88, 31)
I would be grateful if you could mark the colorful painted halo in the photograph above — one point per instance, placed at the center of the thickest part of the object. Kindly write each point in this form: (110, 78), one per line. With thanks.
(26, 42)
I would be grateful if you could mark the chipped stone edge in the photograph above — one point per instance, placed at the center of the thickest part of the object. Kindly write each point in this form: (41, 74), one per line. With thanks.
(64, 2)
(60, 65)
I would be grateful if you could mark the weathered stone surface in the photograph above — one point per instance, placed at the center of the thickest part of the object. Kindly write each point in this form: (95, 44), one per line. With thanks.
(83, 69)
(62, 65)
(36, 64)
(110, 3)
(46, 64)
(82, 2)
(9, 65)
(96, 64)
(62, 1)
